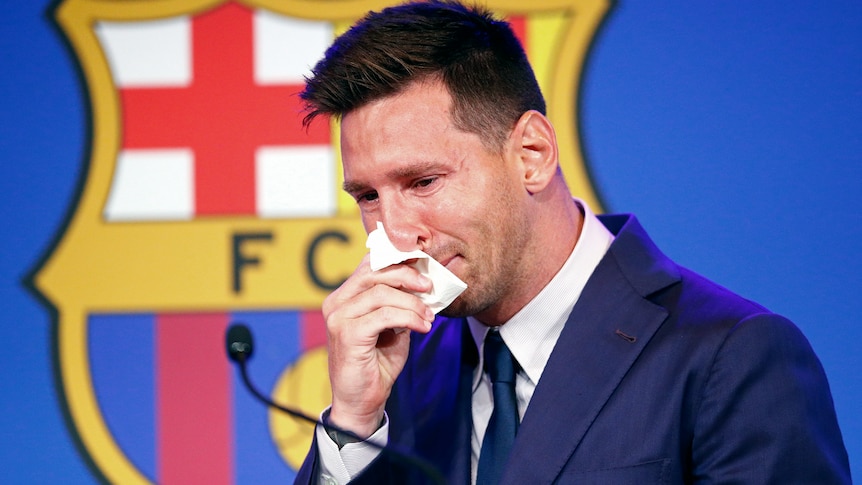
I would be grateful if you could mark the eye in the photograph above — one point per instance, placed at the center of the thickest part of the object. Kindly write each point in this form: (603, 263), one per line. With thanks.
(421, 183)
(366, 197)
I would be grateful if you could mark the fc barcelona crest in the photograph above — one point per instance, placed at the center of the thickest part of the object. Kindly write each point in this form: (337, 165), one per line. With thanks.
(206, 203)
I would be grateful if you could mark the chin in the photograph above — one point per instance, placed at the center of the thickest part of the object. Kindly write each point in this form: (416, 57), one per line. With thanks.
(456, 309)
(462, 307)
(450, 312)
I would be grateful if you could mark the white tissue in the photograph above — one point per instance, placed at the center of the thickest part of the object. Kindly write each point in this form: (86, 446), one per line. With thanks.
(445, 285)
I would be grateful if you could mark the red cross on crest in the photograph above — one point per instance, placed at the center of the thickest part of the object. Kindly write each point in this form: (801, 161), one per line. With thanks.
(224, 115)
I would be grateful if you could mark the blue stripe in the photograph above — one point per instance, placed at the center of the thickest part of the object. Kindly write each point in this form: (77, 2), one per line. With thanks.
(276, 346)
(123, 372)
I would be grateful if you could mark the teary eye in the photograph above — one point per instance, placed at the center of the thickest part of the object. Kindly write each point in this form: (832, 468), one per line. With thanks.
(366, 197)
(426, 181)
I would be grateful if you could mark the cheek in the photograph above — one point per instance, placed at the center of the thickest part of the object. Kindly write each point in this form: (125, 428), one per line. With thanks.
(472, 209)
(369, 222)
(445, 213)
(466, 203)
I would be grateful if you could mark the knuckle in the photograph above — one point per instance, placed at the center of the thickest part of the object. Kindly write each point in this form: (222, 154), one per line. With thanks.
(388, 314)
(379, 292)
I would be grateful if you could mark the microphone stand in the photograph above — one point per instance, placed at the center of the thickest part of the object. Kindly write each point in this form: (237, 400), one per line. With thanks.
(239, 347)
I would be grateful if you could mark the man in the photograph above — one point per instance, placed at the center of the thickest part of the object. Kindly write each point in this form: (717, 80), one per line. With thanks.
(629, 368)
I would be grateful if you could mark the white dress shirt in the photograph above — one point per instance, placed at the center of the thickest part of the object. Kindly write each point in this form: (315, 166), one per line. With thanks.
(530, 334)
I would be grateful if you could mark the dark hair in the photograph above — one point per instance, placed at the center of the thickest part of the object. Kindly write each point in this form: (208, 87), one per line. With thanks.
(476, 56)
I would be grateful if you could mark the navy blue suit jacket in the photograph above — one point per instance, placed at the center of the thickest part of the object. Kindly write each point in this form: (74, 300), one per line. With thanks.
(659, 376)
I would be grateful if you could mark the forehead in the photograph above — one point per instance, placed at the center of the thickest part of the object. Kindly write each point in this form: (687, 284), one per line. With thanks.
(411, 125)
(420, 102)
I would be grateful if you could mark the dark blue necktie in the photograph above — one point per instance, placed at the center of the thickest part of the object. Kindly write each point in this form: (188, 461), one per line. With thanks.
(501, 368)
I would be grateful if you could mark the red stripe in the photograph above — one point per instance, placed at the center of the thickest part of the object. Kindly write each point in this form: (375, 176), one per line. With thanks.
(193, 407)
(519, 26)
(312, 330)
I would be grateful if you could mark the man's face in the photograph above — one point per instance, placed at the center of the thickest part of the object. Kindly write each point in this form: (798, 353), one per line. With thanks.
(439, 189)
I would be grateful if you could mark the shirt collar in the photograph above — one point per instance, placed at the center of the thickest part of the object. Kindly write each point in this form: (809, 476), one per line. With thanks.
(532, 333)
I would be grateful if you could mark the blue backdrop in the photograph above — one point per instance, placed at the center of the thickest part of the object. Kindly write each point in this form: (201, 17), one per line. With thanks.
(734, 131)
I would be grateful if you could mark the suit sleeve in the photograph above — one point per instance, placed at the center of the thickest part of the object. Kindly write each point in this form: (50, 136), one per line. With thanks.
(382, 471)
(326, 464)
(766, 413)
(308, 472)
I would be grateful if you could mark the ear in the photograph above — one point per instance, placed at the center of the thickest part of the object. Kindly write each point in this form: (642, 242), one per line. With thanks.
(535, 145)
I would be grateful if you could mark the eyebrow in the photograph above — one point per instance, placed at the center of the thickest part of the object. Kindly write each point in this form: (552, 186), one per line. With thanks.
(408, 172)
(353, 187)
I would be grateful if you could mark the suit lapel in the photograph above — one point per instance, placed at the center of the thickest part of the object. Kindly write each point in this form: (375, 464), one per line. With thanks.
(441, 400)
(602, 338)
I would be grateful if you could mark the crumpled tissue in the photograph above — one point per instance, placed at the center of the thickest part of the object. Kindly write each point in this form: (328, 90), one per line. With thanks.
(445, 285)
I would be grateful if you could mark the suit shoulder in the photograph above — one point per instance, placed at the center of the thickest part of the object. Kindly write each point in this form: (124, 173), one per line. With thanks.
(700, 299)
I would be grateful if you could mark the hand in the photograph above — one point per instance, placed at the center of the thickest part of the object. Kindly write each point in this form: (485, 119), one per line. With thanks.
(366, 319)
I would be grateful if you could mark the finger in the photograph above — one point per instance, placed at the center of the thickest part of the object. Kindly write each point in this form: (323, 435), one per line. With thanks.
(368, 284)
(399, 276)
(382, 307)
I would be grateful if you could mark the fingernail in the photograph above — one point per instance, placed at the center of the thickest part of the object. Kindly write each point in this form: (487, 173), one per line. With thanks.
(429, 316)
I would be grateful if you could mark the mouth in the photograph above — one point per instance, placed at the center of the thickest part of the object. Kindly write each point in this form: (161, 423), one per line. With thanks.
(447, 255)
(447, 261)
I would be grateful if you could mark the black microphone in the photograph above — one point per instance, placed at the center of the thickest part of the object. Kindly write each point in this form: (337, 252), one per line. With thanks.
(239, 343)
(240, 348)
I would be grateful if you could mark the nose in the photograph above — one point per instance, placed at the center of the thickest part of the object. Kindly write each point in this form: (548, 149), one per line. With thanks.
(404, 226)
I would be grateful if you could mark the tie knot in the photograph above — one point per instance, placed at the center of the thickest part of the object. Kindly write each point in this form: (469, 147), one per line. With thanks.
(499, 363)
